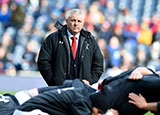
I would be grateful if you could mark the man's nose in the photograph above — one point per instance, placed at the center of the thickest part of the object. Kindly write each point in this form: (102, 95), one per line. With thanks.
(76, 23)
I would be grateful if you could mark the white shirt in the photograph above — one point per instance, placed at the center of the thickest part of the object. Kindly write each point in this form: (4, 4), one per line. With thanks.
(70, 38)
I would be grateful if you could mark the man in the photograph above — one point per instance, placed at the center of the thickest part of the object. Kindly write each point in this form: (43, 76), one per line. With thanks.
(65, 101)
(72, 98)
(70, 53)
(80, 100)
(119, 89)
(137, 99)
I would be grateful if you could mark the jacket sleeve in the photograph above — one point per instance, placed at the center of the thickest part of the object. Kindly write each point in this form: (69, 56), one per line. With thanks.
(81, 108)
(97, 64)
(45, 59)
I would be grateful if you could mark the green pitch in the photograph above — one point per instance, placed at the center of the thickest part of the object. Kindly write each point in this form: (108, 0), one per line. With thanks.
(10, 92)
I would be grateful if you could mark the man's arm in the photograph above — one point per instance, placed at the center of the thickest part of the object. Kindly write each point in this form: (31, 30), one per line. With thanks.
(140, 102)
(139, 72)
(97, 64)
(81, 108)
(45, 60)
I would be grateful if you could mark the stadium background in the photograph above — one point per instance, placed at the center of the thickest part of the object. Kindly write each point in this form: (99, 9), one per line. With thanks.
(127, 31)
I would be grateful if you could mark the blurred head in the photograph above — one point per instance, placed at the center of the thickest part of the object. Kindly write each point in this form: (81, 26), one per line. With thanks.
(100, 101)
(144, 26)
(75, 21)
(96, 111)
(114, 42)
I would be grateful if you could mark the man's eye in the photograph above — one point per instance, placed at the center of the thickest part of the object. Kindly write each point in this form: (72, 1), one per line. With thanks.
(73, 20)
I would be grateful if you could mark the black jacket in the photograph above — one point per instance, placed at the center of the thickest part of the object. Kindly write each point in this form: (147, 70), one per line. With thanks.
(68, 83)
(77, 98)
(61, 102)
(54, 58)
(117, 89)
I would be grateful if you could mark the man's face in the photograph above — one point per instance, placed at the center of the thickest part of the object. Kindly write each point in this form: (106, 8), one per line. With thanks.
(96, 111)
(75, 23)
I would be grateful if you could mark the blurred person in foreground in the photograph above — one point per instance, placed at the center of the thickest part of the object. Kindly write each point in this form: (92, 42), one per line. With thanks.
(70, 53)
(71, 98)
(137, 99)
(118, 89)
(74, 98)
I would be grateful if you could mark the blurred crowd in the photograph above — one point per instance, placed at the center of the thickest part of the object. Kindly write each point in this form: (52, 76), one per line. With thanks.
(127, 32)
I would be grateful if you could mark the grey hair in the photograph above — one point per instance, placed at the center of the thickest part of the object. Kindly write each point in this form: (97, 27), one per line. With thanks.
(75, 11)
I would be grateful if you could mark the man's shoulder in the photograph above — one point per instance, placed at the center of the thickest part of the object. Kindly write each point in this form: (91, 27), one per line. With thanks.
(52, 36)
(87, 34)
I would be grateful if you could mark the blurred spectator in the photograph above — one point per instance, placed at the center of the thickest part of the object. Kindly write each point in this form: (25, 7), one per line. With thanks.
(50, 28)
(155, 56)
(18, 15)
(111, 12)
(114, 49)
(1, 29)
(5, 14)
(145, 34)
(118, 31)
(105, 31)
(2, 68)
(128, 60)
(23, 34)
(143, 55)
(103, 45)
(95, 15)
(154, 23)
(157, 34)
(4, 1)
(94, 18)
(3, 53)
(29, 57)
(10, 69)
(131, 32)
